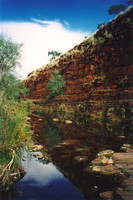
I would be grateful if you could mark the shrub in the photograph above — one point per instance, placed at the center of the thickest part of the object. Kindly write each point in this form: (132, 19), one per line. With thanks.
(15, 129)
(12, 88)
(56, 85)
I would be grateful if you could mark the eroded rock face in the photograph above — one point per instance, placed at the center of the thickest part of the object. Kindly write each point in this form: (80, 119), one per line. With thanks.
(98, 68)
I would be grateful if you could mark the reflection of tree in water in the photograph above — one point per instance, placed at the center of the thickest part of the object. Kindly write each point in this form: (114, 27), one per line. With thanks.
(52, 135)
(118, 118)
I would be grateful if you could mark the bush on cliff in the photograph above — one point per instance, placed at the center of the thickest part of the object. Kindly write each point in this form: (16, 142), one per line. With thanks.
(56, 85)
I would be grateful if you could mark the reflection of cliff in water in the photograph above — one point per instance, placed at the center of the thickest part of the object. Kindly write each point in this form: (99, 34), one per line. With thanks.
(72, 148)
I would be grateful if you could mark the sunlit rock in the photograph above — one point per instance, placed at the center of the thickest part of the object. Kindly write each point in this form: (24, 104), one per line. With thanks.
(69, 142)
(127, 148)
(40, 157)
(100, 161)
(122, 136)
(97, 169)
(59, 146)
(82, 151)
(106, 153)
(110, 161)
(40, 119)
(124, 148)
(68, 122)
(37, 147)
(55, 120)
(127, 145)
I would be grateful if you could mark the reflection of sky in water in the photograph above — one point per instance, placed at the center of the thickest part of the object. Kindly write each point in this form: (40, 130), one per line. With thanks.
(41, 174)
(44, 182)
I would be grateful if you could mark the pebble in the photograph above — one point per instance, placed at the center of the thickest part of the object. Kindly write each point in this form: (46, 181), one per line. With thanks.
(55, 120)
(68, 122)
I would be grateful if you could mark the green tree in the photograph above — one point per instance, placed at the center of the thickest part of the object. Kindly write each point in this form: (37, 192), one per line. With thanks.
(56, 85)
(14, 127)
(54, 54)
(116, 9)
(9, 55)
(12, 88)
(130, 2)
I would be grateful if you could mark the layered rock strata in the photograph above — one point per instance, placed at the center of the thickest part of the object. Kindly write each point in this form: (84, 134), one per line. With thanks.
(100, 68)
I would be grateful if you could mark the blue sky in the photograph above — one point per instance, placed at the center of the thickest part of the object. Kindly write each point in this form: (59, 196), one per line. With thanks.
(80, 14)
(45, 25)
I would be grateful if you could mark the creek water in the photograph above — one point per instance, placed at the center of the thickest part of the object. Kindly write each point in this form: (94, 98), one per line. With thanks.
(44, 181)
(67, 151)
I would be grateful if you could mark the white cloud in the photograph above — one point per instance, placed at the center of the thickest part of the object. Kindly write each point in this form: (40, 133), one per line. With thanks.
(38, 37)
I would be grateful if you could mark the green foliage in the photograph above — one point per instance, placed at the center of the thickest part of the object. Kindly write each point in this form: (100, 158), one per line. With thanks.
(12, 88)
(15, 129)
(65, 111)
(54, 54)
(13, 112)
(107, 34)
(14, 126)
(82, 114)
(130, 2)
(98, 40)
(100, 26)
(5, 157)
(116, 9)
(9, 55)
(56, 85)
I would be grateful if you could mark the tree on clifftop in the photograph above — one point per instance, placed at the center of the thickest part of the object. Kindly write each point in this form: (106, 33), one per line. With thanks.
(115, 9)
(130, 2)
(54, 54)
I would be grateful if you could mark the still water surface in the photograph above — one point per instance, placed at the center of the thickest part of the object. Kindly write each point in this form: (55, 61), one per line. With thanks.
(44, 182)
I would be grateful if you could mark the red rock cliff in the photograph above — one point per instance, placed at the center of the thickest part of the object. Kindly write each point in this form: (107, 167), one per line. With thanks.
(98, 68)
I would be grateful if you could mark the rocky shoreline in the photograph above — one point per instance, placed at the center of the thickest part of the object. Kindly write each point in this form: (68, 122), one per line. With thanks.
(119, 165)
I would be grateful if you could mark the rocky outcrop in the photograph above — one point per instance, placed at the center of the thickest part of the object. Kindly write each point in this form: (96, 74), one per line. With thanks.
(100, 68)
(123, 166)
(109, 163)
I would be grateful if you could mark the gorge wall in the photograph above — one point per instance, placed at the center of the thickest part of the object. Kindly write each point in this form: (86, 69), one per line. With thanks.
(100, 66)
(98, 71)
(98, 94)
